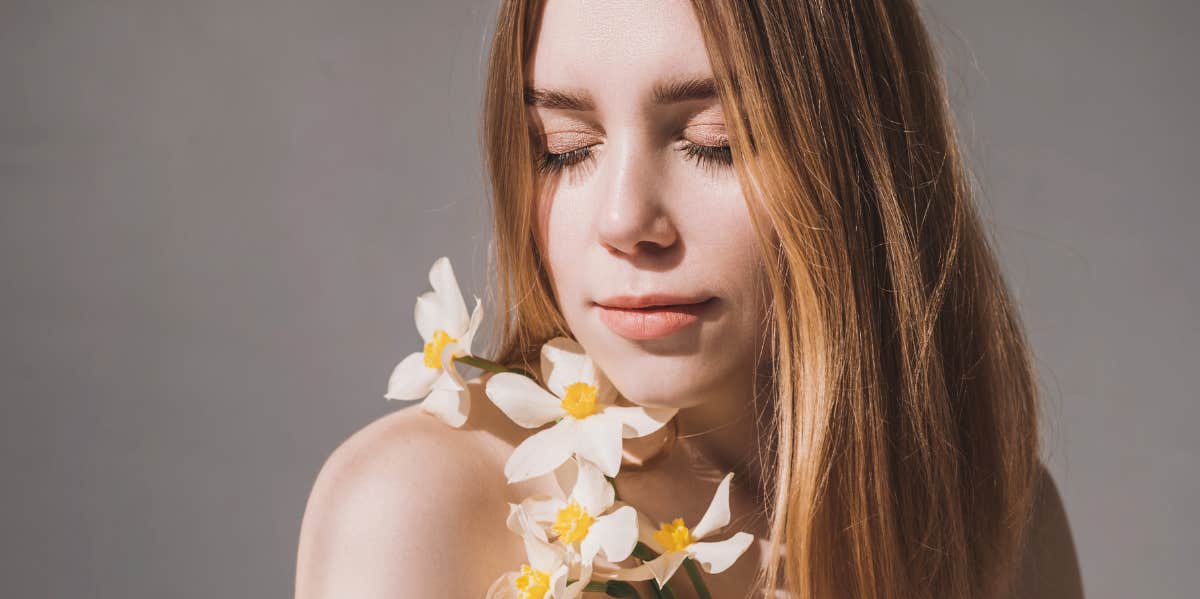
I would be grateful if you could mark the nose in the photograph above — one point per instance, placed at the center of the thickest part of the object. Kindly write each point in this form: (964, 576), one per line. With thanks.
(632, 218)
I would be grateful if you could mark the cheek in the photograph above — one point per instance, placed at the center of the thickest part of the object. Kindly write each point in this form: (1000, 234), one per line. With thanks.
(725, 241)
(562, 235)
(721, 234)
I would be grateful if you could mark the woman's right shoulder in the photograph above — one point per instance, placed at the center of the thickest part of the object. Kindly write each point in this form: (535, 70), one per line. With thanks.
(400, 503)
(406, 450)
(411, 451)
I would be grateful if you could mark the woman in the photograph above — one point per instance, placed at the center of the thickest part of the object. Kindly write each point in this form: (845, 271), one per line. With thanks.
(754, 212)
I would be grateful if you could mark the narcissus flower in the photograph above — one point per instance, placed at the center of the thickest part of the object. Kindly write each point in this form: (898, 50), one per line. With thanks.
(581, 522)
(545, 575)
(675, 542)
(447, 330)
(581, 403)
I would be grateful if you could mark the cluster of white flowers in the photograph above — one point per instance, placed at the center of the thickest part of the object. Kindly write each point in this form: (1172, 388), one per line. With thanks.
(574, 543)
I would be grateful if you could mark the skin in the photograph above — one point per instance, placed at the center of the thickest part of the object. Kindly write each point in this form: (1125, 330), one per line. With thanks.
(409, 507)
(638, 216)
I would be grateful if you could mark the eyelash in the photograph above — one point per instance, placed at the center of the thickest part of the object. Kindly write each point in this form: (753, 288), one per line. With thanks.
(705, 156)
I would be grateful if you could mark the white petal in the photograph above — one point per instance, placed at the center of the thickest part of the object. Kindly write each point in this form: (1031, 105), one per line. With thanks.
(450, 299)
(717, 514)
(558, 582)
(532, 515)
(575, 589)
(540, 453)
(715, 557)
(451, 407)
(451, 379)
(467, 337)
(564, 362)
(445, 382)
(505, 587)
(566, 475)
(615, 534)
(637, 421)
(518, 520)
(589, 549)
(592, 490)
(411, 378)
(598, 440)
(543, 510)
(523, 400)
(542, 555)
(587, 371)
(428, 314)
(664, 566)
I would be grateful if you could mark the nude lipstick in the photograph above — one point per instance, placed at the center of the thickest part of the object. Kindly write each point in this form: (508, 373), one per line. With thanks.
(651, 316)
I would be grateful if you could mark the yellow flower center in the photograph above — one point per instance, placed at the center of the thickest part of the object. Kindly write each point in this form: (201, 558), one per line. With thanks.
(580, 400)
(572, 523)
(532, 584)
(674, 536)
(433, 349)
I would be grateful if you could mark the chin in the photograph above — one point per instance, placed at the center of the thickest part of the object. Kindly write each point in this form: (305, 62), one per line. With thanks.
(661, 382)
(679, 371)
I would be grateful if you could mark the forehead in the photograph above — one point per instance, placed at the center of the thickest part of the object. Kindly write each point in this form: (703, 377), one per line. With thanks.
(617, 50)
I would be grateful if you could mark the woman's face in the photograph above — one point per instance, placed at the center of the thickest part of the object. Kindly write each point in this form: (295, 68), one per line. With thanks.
(639, 204)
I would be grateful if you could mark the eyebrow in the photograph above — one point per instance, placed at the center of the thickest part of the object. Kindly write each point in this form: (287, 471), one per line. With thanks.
(664, 92)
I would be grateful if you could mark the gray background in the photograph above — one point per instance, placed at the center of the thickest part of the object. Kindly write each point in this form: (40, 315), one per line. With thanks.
(217, 215)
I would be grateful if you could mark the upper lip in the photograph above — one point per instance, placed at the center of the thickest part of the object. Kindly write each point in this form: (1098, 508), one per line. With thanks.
(651, 300)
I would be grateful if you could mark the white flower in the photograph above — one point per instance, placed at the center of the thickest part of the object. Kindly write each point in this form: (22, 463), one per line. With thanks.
(545, 576)
(442, 320)
(579, 522)
(581, 399)
(675, 542)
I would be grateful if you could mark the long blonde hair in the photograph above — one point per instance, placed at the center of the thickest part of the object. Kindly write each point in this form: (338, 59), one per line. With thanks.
(904, 436)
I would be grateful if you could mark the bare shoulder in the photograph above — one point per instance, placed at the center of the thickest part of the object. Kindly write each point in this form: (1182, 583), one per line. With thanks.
(408, 506)
(1049, 566)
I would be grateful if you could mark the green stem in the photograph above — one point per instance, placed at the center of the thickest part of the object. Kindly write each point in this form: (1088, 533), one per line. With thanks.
(693, 572)
(643, 552)
(488, 365)
(618, 588)
(613, 588)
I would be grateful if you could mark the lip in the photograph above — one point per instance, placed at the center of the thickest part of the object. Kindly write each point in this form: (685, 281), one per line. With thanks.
(651, 316)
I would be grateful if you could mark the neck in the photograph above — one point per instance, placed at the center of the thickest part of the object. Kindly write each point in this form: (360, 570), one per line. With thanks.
(725, 434)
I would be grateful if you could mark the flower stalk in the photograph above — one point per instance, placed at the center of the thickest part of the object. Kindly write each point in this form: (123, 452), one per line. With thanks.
(693, 572)
(613, 588)
(490, 366)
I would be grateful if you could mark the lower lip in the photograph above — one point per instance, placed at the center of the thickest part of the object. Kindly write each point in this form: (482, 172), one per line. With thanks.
(651, 323)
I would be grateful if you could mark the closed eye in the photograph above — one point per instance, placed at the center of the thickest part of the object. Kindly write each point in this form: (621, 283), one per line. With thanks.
(714, 157)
